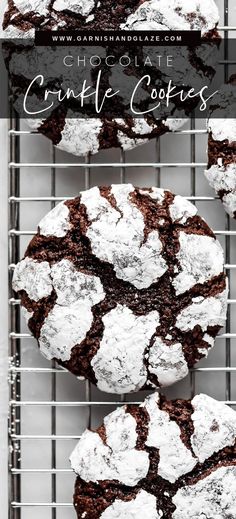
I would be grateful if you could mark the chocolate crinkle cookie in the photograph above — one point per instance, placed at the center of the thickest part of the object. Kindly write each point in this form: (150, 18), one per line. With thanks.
(221, 172)
(161, 460)
(124, 286)
(80, 133)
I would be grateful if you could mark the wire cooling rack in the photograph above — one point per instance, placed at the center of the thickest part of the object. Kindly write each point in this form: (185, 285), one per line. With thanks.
(49, 408)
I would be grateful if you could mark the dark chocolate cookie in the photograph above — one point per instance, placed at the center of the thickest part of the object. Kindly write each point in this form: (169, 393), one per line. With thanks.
(164, 459)
(221, 172)
(124, 286)
(64, 125)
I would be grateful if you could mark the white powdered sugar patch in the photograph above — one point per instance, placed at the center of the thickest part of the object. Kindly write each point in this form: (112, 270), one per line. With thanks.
(117, 236)
(33, 277)
(200, 257)
(94, 461)
(207, 338)
(167, 362)
(223, 129)
(63, 328)
(133, 509)
(121, 432)
(181, 209)
(56, 222)
(229, 202)
(222, 124)
(70, 319)
(72, 286)
(127, 143)
(173, 124)
(82, 142)
(83, 7)
(164, 434)
(39, 7)
(214, 427)
(174, 15)
(156, 193)
(221, 177)
(204, 312)
(119, 362)
(213, 497)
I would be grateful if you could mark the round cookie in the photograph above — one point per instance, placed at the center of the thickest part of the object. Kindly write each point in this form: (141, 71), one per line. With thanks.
(221, 126)
(63, 125)
(124, 286)
(161, 460)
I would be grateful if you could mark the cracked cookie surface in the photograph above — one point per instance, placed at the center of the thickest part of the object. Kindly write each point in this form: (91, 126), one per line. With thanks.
(124, 286)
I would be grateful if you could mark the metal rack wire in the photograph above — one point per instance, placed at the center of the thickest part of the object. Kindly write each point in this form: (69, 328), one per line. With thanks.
(21, 503)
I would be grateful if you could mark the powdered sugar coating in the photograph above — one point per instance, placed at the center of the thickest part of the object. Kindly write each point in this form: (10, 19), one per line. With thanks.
(95, 461)
(210, 311)
(214, 426)
(72, 286)
(223, 178)
(200, 257)
(63, 328)
(174, 15)
(36, 6)
(119, 363)
(167, 362)
(56, 222)
(181, 209)
(83, 7)
(133, 509)
(223, 127)
(71, 317)
(33, 277)
(229, 202)
(88, 128)
(121, 433)
(164, 434)
(213, 497)
(117, 236)
(207, 338)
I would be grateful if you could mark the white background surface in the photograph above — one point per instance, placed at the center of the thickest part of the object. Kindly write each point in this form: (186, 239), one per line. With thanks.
(73, 420)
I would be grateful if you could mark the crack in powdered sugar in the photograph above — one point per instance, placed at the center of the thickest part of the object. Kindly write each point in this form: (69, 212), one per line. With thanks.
(71, 317)
(204, 312)
(119, 239)
(95, 461)
(175, 459)
(200, 257)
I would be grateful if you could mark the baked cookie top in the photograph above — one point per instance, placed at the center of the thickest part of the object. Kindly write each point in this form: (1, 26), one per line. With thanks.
(167, 459)
(124, 286)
